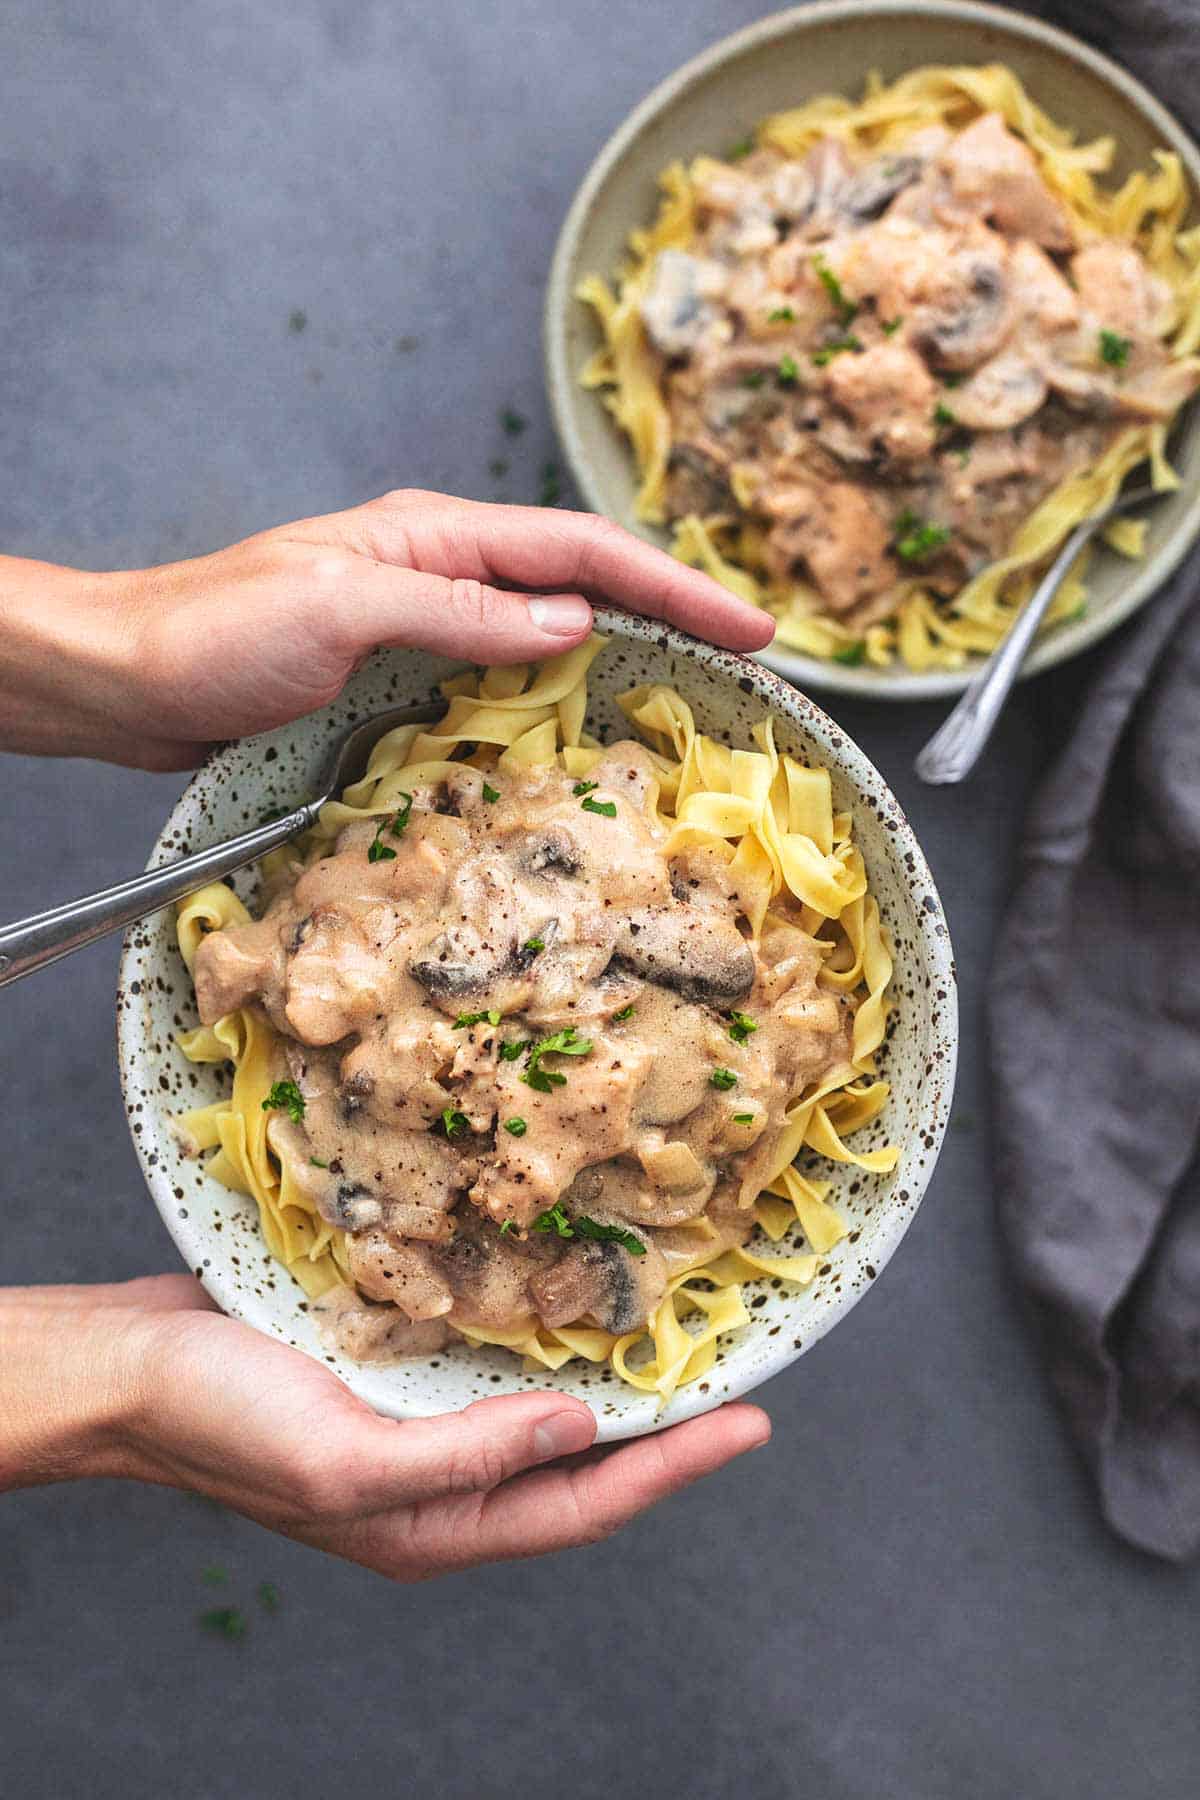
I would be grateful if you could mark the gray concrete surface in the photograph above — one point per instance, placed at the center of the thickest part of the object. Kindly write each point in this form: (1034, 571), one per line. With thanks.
(909, 1595)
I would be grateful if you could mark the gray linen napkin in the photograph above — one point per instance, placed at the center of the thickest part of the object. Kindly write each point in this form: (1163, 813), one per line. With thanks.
(1095, 1009)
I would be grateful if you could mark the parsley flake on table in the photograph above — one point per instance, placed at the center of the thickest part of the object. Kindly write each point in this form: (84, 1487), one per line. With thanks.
(513, 423)
(285, 1094)
(225, 1621)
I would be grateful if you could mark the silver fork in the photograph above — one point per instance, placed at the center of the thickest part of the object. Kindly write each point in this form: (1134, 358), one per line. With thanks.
(33, 943)
(961, 739)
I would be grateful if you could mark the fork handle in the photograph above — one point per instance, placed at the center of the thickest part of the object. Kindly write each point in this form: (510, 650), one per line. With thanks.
(960, 740)
(33, 943)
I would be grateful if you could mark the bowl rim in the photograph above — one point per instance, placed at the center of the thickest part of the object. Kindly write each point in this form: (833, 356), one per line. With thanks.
(933, 950)
(562, 384)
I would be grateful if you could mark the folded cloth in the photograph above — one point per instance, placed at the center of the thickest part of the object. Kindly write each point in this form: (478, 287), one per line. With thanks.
(1095, 1026)
(1095, 1008)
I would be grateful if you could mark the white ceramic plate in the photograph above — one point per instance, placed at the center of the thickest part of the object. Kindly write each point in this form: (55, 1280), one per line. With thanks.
(217, 1231)
(783, 61)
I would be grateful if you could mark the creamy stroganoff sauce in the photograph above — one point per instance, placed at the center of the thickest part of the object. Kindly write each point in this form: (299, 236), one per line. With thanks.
(505, 1011)
(886, 362)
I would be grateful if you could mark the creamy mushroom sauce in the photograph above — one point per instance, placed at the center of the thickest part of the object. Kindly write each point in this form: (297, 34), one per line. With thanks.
(539, 907)
(889, 362)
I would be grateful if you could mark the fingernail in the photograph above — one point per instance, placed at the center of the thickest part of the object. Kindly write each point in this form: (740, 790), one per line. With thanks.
(565, 616)
(562, 1434)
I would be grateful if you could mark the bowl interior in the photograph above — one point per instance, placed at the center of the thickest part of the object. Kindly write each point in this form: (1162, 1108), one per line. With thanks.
(217, 1231)
(784, 61)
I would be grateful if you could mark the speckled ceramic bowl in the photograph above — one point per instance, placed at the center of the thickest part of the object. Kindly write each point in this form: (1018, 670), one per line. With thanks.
(783, 61)
(217, 1231)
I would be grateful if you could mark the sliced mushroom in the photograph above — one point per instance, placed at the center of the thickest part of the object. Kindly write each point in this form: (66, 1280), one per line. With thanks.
(455, 964)
(876, 185)
(697, 954)
(601, 1282)
(1002, 393)
(349, 1205)
(552, 852)
(676, 308)
(991, 171)
(622, 1190)
(970, 314)
(696, 482)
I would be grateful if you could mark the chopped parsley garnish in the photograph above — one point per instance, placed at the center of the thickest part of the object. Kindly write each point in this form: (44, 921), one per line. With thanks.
(515, 1127)
(788, 372)
(943, 416)
(297, 321)
(891, 326)
(740, 1026)
(561, 1043)
(268, 1596)
(533, 945)
(743, 147)
(453, 1120)
(626, 1012)
(743, 1118)
(846, 309)
(963, 455)
(555, 1219)
(608, 808)
(317, 1163)
(285, 1094)
(490, 1017)
(1114, 349)
(918, 538)
(584, 787)
(827, 353)
(722, 1078)
(490, 794)
(512, 422)
(395, 826)
(851, 655)
(953, 380)
(551, 492)
(515, 1047)
(755, 378)
(226, 1621)
(1076, 613)
(782, 315)
(508, 1225)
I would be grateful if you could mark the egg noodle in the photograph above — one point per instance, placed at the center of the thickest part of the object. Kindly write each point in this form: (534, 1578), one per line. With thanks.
(771, 820)
(1146, 211)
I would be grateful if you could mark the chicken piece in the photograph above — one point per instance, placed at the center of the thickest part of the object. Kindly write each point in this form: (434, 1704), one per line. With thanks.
(405, 1274)
(889, 393)
(1120, 292)
(235, 965)
(1040, 293)
(1003, 392)
(369, 1331)
(334, 980)
(621, 1190)
(991, 172)
(835, 532)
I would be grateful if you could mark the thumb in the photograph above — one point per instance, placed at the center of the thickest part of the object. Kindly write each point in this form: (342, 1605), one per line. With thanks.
(457, 617)
(456, 1453)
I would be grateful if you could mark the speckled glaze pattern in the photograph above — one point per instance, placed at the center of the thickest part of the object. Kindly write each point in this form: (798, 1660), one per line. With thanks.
(217, 1231)
(782, 61)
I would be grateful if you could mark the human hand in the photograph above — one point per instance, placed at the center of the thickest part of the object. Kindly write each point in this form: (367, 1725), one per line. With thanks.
(149, 667)
(147, 1380)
